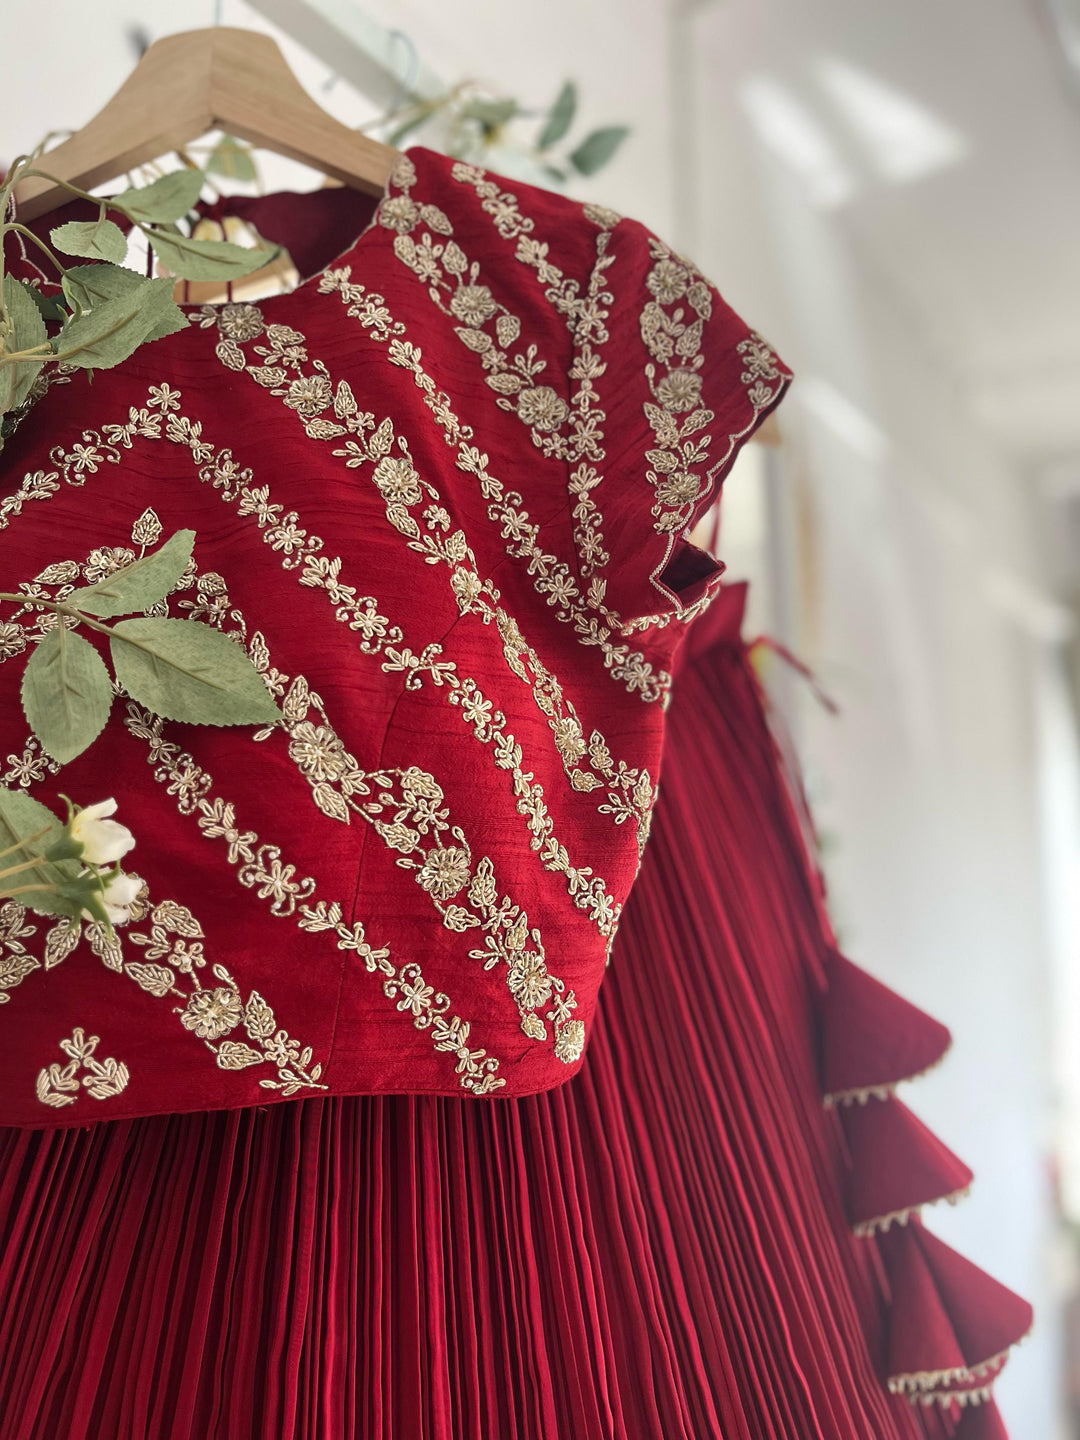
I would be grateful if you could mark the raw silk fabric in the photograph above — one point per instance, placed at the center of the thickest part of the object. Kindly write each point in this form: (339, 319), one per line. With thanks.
(438, 492)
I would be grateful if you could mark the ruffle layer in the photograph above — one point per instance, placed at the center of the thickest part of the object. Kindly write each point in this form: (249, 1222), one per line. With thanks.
(897, 1165)
(871, 1037)
(951, 1326)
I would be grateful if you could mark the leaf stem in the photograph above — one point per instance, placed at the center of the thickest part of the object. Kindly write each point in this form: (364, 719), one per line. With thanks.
(21, 844)
(26, 865)
(58, 608)
(25, 230)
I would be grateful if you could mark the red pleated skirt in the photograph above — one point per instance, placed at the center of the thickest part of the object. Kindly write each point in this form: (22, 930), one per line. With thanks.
(661, 1249)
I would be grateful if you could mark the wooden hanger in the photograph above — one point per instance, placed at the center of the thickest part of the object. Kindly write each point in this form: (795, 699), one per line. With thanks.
(198, 81)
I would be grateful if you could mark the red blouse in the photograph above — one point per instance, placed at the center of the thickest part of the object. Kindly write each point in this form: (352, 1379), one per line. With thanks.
(440, 493)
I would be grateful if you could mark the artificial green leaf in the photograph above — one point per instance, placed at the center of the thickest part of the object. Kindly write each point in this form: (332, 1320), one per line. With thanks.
(187, 671)
(561, 116)
(20, 819)
(168, 198)
(89, 285)
(27, 332)
(231, 159)
(115, 328)
(98, 239)
(171, 321)
(139, 585)
(597, 149)
(207, 259)
(490, 113)
(553, 173)
(49, 307)
(66, 694)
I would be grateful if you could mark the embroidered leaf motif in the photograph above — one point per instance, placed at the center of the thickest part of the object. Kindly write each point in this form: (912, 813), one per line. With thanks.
(171, 915)
(505, 384)
(53, 1086)
(66, 694)
(258, 1017)
(476, 340)
(186, 671)
(61, 941)
(157, 979)
(106, 947)
(230, 354)
(507, 328)
(142, 583)
(14, 970)
(298, 701)
(147, 528)
(267, 375)
(108, 1078)
(330, 802)
(58, 574)
(533, 1026)
(234, 1055)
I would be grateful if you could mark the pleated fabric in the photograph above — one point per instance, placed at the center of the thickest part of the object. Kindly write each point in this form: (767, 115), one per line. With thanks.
(658, 1250)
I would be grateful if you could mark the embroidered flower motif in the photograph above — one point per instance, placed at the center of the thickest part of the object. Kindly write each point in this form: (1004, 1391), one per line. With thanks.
(473, 305)
(681, 390)
(568, 738)
(240, 322)
(667, 281)
(318, 752)
(541, 408)
(467, 587)
(399, 213)
(310, 395)
(212, 1013)
(106, 561)
(570, 1042)
(398, 482)
(444, 872)
(680, 489)
(103, 841)
(529, 981)
(12, 640)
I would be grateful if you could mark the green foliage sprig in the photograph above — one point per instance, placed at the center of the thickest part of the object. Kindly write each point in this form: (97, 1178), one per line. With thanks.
(180, 669)
(476, 122)
(65, 867)
(102, 311)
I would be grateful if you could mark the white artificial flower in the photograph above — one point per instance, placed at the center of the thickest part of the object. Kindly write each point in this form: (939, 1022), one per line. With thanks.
(104, 841)
(119, 896)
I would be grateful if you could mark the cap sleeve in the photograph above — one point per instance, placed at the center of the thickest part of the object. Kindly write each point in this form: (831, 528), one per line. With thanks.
(686, 383)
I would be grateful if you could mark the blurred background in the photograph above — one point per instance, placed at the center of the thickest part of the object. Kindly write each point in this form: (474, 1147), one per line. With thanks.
(890, 193)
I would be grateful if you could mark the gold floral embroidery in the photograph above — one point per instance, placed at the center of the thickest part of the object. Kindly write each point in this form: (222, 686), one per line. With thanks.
(414, 800)
(103, 1078)
(404, 492)
(588, 892)
(260, 868)
(552, 578)
(679, 464)
(16, 962)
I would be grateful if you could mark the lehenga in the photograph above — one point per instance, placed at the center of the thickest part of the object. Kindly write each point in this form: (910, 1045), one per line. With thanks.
(712, 1230)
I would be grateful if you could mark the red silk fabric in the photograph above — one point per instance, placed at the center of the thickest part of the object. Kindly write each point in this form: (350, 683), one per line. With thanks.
(439, 493)
(656, 1251)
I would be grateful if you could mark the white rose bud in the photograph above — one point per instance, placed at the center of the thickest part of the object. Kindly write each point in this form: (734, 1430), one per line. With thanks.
(104, 841)
(120, 894)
